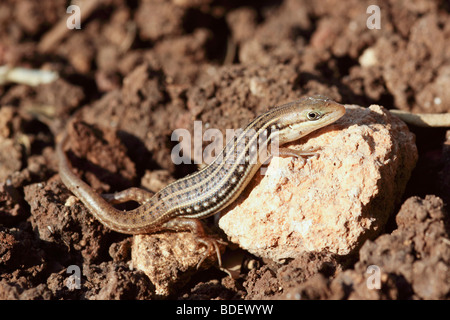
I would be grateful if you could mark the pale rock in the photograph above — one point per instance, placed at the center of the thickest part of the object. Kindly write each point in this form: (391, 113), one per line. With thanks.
(332, 201)
(169, 259)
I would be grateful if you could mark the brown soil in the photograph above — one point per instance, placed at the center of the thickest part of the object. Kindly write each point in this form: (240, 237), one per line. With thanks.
(137, 70)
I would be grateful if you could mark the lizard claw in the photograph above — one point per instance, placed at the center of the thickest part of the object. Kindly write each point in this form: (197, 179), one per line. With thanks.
(211, 245)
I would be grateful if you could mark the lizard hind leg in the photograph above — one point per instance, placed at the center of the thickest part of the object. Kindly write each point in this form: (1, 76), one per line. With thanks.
(141, 196)
(175, 224)
(196, 227)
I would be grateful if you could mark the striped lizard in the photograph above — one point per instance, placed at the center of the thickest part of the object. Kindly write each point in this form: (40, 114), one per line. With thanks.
(204, 193)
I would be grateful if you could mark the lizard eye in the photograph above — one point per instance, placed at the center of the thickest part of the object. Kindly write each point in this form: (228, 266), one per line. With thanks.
(313, 115)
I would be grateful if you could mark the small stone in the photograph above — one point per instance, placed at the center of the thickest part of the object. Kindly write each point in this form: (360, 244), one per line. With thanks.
(368, 58)
(332, 202)
(169, 259)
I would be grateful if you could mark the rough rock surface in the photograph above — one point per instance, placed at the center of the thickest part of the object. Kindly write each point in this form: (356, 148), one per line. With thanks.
(169, 259)
(412, 261)
(331, 202)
